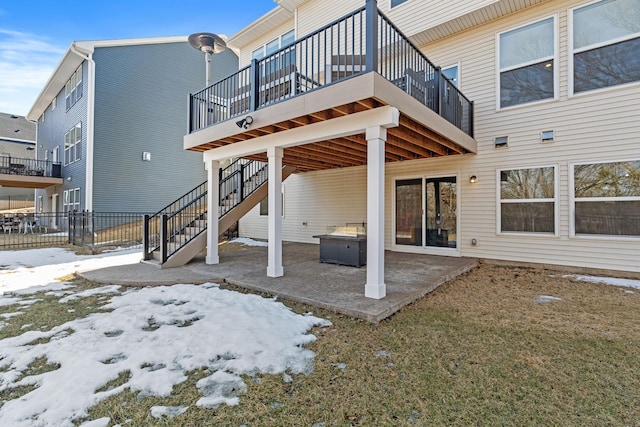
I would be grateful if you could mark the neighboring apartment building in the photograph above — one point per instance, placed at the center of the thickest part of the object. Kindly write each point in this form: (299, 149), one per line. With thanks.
(113, 114)
(17, 141)
(543, 167)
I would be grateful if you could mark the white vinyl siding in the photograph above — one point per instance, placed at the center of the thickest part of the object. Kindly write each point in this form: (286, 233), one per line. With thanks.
(594, 127)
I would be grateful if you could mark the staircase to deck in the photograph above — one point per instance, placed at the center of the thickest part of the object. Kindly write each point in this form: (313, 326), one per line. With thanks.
(177, 233)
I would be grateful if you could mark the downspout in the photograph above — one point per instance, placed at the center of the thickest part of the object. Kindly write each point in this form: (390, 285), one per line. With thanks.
(91, 79)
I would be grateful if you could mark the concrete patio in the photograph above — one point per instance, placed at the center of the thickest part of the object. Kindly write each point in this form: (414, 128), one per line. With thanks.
(333, 287)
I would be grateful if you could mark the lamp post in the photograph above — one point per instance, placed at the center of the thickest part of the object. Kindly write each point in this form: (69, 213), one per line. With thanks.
(209, 44)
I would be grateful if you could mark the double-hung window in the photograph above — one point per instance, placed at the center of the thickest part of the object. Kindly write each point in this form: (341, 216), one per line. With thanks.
(607, 198)
(606, 44)
(73, 88)
(527, 63)
(73, 144)
(527, 202)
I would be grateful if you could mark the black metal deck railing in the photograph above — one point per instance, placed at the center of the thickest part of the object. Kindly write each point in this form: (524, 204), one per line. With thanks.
(29, 167)
(363, 41)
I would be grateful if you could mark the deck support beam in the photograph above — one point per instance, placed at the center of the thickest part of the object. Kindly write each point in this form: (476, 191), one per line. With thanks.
(375, 286)
(213, 200)
(274, 263)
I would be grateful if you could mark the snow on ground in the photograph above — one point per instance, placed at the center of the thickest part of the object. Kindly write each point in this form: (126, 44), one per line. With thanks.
(248, 242)
(34, 270)
(627, 283)
(156, 335)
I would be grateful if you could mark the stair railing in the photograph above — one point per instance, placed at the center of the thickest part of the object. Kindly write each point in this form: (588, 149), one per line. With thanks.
(178, 223)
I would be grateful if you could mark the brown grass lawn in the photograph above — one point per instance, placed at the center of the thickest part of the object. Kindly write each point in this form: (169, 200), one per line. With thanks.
(478, 351)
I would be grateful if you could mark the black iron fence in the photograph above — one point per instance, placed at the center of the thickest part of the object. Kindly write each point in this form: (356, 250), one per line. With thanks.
(94, 230)
(29, 167)
(362, 41)
(105, 229)
(153, 223)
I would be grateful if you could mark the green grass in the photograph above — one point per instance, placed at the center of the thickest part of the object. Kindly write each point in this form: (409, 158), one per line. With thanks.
(477, 351)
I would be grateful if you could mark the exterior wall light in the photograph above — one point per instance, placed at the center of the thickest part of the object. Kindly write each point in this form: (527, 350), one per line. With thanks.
(473, 179)
(244, 123)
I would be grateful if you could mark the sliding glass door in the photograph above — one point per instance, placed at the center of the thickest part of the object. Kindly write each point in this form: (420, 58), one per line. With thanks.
(426, 212)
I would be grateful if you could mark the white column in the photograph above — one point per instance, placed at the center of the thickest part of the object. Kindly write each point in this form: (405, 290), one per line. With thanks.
(375, 286)
(274, 265)
(213, 201)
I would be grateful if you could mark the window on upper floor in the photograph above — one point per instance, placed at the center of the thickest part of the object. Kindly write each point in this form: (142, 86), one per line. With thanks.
(275, 44)
(606, 44)
(526, 62)
(73, 144)
(395, 3)
(73, 88)
(452, 74)
(54, 104)
(607, 198)
(527, 200)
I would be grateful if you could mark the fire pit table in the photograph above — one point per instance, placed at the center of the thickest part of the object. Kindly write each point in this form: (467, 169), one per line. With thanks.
(344, 245)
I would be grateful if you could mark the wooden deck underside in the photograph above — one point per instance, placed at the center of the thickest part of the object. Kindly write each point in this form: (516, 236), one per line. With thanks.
(410, 140)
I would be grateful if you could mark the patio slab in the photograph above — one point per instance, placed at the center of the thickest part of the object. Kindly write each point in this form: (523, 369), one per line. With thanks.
(336, 288)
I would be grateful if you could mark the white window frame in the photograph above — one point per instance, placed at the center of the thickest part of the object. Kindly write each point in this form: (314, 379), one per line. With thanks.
(67, 205)
(573, 51)
(455, 65)
(573, 199)
(264, 46)
(54, 103)
(499, 202)
(71, 88)
(391, 6)
(555, 58)
(74, 147)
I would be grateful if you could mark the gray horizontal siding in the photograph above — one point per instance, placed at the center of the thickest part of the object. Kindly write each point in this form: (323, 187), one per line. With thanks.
(141, 105)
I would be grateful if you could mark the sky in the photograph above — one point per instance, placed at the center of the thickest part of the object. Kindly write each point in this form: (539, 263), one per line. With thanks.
(35, 34)
(157, 334)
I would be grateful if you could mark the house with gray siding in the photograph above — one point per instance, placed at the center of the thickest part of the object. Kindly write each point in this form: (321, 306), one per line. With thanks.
(113, 114)
(17, 141)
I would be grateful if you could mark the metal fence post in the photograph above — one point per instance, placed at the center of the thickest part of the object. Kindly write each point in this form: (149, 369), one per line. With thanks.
(163, 238)
(371, 42)
(438, 84)
(255, 85)
(240, 185)
(145, 237)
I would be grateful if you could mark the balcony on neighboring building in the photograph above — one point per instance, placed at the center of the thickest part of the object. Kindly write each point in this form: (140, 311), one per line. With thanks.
(357, 63)
(28, 173)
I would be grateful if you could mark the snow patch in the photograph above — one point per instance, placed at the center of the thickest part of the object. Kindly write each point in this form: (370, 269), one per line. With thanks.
(546, 298)
(248, 242)
(627, 283)
(157, 335)
(167, 411)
